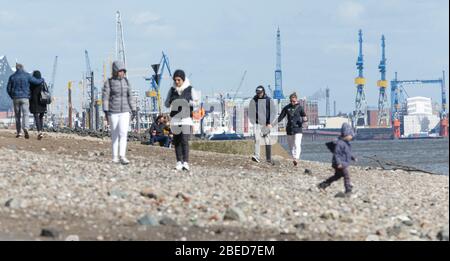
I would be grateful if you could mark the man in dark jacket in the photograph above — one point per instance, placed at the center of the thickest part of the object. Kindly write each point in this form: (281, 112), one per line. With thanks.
(157, 132)
(296, 116)
(342, 158)
(19, 91)
(262, 114)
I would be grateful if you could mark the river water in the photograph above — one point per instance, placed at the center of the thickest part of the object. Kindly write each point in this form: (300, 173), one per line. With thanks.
(430, 155)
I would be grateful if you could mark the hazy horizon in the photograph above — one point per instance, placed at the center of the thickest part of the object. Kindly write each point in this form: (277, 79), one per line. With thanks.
(216, 41)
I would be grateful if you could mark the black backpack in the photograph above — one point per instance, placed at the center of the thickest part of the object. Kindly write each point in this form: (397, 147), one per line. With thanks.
(45, 98)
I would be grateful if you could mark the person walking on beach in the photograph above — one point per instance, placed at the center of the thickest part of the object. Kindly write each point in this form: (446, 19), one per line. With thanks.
(19, 91)
(262, 114)
(180, 100)
(37, 108)
(118, 103)
(296, 117)
(342, 158)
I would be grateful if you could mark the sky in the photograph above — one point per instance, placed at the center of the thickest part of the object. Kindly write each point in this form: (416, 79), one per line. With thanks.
(216, 41)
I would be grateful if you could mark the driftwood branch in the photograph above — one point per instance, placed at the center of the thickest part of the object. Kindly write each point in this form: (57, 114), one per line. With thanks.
(389, 165)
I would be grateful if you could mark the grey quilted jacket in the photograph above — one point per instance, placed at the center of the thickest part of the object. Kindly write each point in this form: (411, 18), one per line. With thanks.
(117, 93)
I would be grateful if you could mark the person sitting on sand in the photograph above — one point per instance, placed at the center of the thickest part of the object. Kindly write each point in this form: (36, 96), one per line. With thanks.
(157, 132)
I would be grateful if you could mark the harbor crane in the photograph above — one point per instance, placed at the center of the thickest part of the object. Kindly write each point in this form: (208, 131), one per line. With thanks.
(398, 100)
(155, 83)
(359, 117)
(383, 113)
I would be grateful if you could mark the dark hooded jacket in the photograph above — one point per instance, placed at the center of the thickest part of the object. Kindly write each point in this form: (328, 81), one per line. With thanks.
(35, 104)
(342, 149)
(342, 154)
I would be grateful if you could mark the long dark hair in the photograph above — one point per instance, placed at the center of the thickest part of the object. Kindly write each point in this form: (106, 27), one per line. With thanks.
(37, 74)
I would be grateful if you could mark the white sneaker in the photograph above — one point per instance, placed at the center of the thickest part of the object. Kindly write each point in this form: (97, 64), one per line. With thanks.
(186, 166)
(116, 160)
(124, 161)
(256, 159)
(179, 166)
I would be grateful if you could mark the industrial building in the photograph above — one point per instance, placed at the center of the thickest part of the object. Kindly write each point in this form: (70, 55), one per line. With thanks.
(419, 119)
(333, 122)
(5, 72)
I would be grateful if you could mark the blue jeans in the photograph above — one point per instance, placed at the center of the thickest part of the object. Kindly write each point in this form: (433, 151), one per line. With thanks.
(161, 140)
(22, 112)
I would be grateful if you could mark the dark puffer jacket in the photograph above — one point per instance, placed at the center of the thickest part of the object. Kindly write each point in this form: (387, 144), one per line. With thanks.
(186, 95)
(295, 115)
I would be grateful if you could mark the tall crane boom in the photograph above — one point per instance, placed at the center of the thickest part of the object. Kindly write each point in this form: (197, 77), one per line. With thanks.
(359, 118)
(382, 85)
(278, 94)
(120, 42)
(52, 83)
(240, 85)
(88, 63)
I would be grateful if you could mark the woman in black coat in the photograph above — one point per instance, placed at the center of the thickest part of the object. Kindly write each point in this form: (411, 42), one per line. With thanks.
(36, 107)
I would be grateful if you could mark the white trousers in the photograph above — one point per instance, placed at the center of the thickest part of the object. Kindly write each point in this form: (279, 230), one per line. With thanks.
(295, 145)
(120, 124)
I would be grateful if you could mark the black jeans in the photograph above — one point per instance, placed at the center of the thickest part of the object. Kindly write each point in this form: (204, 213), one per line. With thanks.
(341, 173)
(181, 143)
(39, 121)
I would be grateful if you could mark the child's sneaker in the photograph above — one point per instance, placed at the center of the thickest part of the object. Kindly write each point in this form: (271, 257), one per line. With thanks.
(323, 186)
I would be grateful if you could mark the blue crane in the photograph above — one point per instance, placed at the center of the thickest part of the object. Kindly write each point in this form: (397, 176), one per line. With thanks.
(382, 85)
(361, 103)
(398, 97)
(278, 93)
(155, 81)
